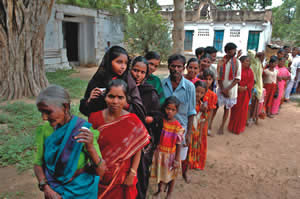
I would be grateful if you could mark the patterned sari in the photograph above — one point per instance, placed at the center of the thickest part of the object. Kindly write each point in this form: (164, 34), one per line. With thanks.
(61, 157)
(119, 141)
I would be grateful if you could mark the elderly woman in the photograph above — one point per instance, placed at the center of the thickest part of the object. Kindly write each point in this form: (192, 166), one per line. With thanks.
(68, 161)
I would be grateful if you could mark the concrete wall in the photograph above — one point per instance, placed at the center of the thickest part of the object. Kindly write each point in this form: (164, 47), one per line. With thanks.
(95, 29)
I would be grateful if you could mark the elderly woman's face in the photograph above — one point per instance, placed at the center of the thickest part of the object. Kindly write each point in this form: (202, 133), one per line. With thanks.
(53, 114)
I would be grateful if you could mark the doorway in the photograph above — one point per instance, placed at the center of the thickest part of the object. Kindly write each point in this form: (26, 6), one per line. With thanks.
(218, 40)
(70, 34)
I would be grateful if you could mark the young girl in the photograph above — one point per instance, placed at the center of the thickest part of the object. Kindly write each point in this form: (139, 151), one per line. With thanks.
(239, 112)
(270, 79)
(193, 70)
(114, 65)
(198, 137)
(153, 122)
(282, 77)
(166, 158)
(208, 77)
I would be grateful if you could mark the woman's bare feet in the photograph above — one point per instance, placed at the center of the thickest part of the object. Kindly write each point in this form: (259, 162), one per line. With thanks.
(221, 131)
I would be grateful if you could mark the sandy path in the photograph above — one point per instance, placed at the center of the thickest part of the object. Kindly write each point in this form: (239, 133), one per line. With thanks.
(261, 163)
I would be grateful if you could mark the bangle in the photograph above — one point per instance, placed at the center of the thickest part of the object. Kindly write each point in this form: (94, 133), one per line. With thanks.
(132, 171)
(100, 161)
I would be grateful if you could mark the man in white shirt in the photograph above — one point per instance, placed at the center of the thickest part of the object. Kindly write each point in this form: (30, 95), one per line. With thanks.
(229, 75)
(295, 74)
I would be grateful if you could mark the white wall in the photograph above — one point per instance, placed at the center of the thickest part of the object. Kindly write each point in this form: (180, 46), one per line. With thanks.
(241, 42)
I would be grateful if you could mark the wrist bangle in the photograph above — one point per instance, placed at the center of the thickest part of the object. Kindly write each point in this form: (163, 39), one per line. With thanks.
(99, 163)
(132, 171)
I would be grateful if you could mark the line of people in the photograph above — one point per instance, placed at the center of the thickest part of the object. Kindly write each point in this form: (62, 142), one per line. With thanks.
(140, 127)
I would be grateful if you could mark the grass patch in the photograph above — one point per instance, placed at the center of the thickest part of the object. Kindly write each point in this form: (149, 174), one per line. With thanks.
(75, 86)
(19, 120)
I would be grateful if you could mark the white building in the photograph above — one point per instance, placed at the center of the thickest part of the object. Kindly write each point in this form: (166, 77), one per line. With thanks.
(213, 27)
(79, 36)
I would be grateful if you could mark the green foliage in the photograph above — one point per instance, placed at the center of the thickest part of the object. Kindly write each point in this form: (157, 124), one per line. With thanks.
(75, 86)
(19, 120)
(286, 22)
(147, 31)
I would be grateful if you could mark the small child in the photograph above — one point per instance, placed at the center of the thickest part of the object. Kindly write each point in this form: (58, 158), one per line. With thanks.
(166, 159)
(198, 137)
(270, 79)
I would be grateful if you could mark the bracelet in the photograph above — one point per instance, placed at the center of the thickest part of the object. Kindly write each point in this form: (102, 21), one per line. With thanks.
(99, 163)
(132, 171)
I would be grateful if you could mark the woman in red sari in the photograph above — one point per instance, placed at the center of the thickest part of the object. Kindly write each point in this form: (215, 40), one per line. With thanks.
(122, 137)
(239, 112)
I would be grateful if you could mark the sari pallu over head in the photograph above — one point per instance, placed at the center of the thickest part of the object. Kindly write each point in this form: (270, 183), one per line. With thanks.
(61, 157)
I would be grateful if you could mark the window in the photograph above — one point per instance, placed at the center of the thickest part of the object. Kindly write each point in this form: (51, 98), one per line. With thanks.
(203, 32)
(218, 40)
(253, 40)
(234, 33)
(188, 41)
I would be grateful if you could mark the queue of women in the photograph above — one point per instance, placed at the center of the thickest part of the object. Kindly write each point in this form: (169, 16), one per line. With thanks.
(139, 127)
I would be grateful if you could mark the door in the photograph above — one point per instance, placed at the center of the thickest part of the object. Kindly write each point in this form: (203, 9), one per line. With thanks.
(253, 40)
(188, 40)
(218, 40)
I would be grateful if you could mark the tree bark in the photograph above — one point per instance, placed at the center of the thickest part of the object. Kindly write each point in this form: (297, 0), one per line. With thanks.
(22, 32)
(178, 33)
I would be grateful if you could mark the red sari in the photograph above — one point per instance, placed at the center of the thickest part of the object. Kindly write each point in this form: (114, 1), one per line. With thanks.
(119, 141)
(239, 112)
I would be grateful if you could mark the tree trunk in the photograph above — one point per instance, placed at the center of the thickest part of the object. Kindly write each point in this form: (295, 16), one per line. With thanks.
(22, 32)
(178, 33)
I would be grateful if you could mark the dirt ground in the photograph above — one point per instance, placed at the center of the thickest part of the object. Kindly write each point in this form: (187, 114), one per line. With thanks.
(261, 163)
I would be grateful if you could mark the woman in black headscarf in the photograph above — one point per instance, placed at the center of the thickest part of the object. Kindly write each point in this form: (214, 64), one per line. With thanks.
(114, 65)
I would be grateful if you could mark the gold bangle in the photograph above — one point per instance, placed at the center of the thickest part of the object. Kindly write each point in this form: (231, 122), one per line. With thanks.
(132, 171)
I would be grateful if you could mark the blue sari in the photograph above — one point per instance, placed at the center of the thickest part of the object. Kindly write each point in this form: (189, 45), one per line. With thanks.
(61, 159)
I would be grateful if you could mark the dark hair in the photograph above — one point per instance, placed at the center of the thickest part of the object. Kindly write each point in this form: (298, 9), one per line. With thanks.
(141, 59)
(281, 51)
(105, 67)
(207, 72)
(192, 60)
(282, 58)
(204, 56)
(273, 59)
(199, 51)
(243, 58)
(170, 100)
(117, 83)
(229, 46)
(152, 55)
(210, 50)
(201, 84)
(176, 57)
(285, 47)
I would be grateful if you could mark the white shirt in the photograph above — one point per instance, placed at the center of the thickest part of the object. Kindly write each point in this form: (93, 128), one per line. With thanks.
(295, 65)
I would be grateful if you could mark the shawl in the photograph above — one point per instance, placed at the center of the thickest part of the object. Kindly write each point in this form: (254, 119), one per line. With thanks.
(233, 68)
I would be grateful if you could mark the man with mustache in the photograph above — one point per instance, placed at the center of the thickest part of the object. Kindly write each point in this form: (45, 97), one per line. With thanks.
(176, 85)
(229, 75)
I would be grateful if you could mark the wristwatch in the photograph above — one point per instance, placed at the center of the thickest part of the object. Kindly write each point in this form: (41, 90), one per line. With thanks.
(42, 185)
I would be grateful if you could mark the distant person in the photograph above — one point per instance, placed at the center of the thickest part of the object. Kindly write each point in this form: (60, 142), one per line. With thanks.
(193, 69)
(65, 146)
(282, 76)
(108, 46)
(114, 65)
(199, 52)
(229, 75)
(176, 85)
(212, 51)
(270, 80)
(153, 121)
(256, 65)
(153, 59)
(205, 63)
(166, 159)
(122, 138)
(239, 112)
(295, 73)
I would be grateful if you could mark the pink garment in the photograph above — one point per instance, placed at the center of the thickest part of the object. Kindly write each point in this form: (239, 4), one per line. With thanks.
(282, 72)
